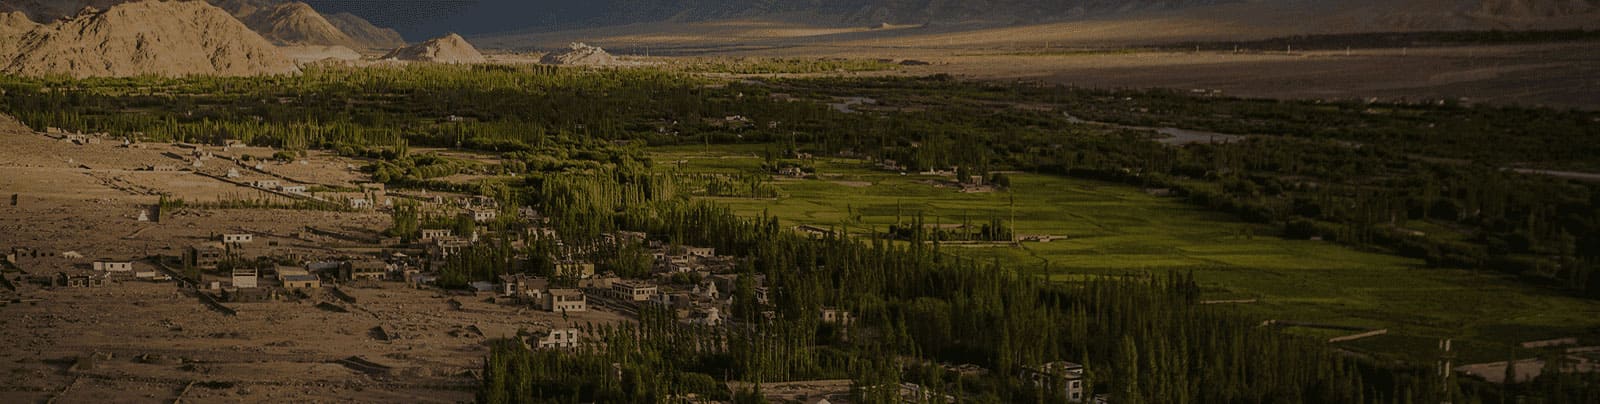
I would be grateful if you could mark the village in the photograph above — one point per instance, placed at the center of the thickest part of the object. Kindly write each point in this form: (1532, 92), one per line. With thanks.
(115, 286)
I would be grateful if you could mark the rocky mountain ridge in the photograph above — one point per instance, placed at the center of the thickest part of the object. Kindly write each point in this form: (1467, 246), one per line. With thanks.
(144, 37)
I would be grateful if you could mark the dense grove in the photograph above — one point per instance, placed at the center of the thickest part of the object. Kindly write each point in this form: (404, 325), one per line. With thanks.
(1426, 181)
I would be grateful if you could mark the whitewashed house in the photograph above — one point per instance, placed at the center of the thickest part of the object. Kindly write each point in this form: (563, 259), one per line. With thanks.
(113, 266)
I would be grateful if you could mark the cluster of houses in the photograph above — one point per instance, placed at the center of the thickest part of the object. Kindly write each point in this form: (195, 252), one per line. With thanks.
(371, 195)
(79, 139)
(73, 272)
(676, 260)
(250, 281)
(275, 185)
(694, 283)
(691, 282)
(700, 303)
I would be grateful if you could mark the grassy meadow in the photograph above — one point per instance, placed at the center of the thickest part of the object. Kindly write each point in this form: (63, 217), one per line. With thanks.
(1114, 230)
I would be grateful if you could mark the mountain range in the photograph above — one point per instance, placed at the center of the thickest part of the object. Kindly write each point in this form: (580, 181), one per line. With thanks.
(282, 22)
(1479, 13)
(146, 37)
(289, 22)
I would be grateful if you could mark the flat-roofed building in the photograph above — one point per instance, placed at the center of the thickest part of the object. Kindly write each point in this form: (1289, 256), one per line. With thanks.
(435, 234)
(364, 270)
(81, 280)
(113, 266)
(565, 301)
(484, 215)
(633, 291)
(245, 278)
(522, 286)
(1063, 376)
(207, 255)
(305, 281)
(560, 338)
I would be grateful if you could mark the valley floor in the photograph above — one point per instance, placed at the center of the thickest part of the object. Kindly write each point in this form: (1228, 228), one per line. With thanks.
(1120, 55)
(1106, 229)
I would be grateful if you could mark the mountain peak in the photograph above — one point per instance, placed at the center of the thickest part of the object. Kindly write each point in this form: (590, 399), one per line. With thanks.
(450, 48)
(146, 37)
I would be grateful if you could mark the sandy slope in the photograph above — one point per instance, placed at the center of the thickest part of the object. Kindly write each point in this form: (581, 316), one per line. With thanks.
(148, 37)
(450, 48)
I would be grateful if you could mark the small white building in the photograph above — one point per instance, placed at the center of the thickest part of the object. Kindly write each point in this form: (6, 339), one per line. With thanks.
(293, 189)
(302, 282)
(360, 203)
(565, 301)
(703, 252)
(562, 338)
(238, 238)
(266, 184)
(113, 266)
(435, 234)
(151, 275)
(484, 215)
(632, 291)
(1066, 377)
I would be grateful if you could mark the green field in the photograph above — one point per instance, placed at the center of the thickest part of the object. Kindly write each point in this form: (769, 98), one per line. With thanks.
(1115, 229)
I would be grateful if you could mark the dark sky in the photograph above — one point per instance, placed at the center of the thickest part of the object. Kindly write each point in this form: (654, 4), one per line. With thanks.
(421, 19)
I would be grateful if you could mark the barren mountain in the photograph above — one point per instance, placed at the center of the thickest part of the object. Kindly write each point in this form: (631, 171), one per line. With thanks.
(15, 23)
(364, 33)
(12, 26)
(244, 8)
(450, 48)
(45, 11)
(580, 54)
(147, 37)
(295, 24)
(281, 21)
(308, 54)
